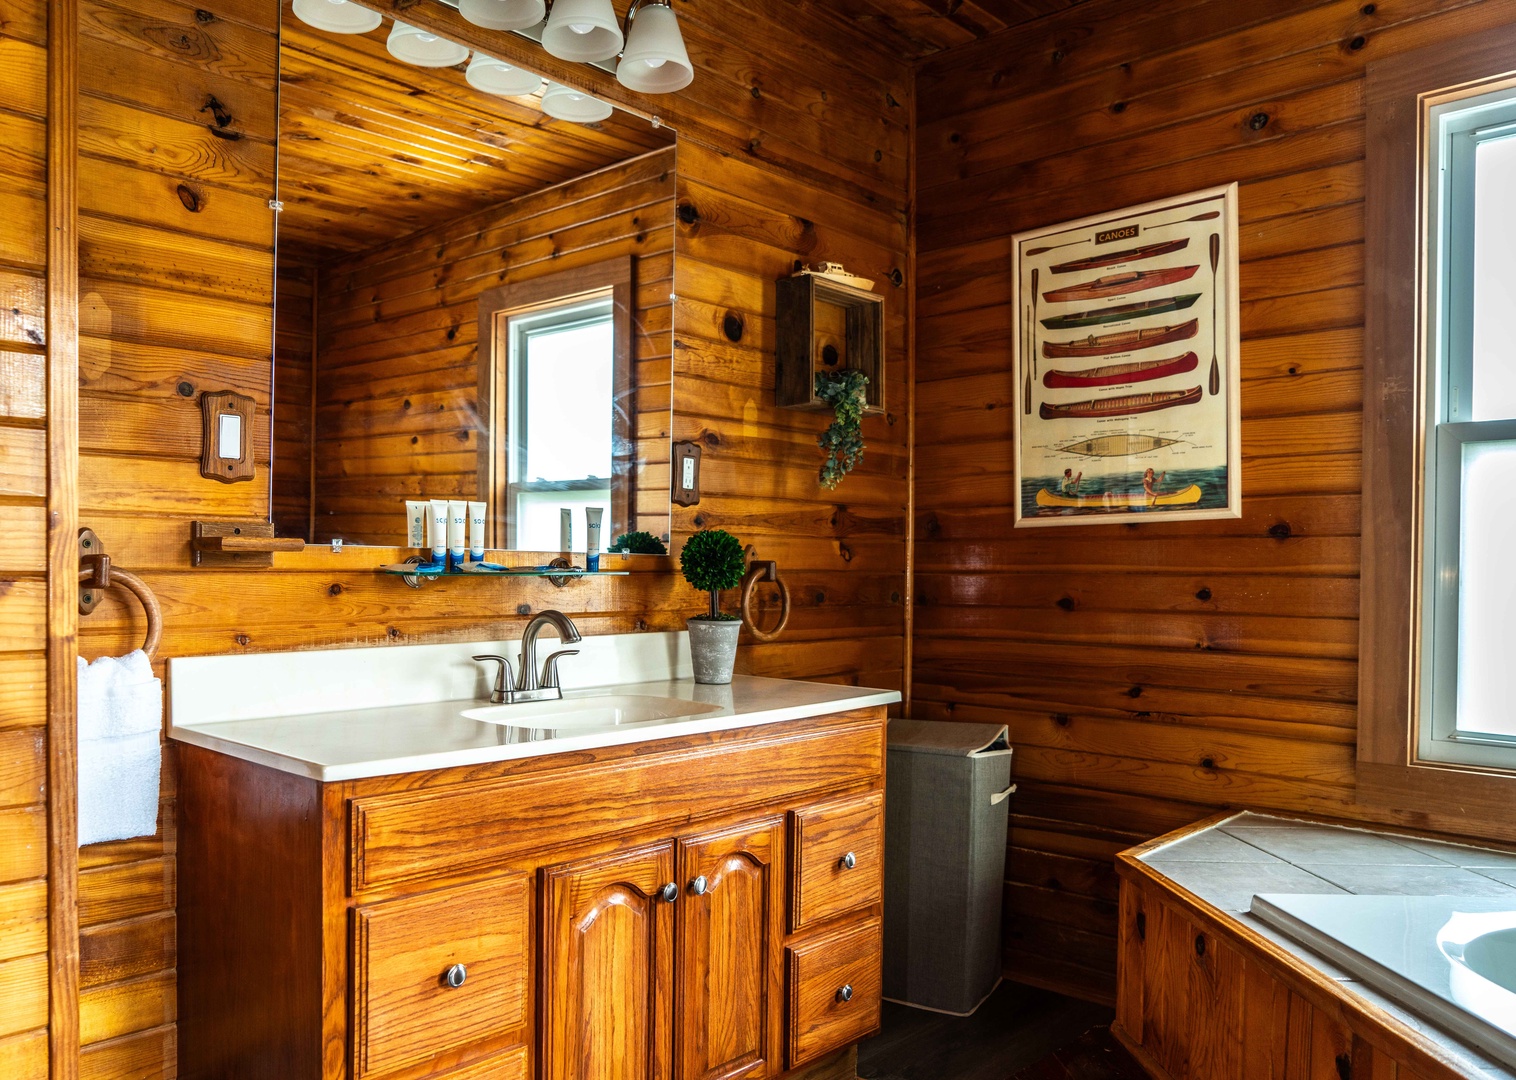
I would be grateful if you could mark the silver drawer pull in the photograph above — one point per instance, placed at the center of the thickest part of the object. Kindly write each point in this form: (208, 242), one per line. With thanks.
(669, 892)
(699, 885)
(455, 976)
(849, 861)
(845, 994)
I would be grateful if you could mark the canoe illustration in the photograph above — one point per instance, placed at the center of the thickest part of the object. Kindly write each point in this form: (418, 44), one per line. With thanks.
(1116, 374)
(1116, 500)
(1117, 445)
(1126, 405)
(1120, 284)
(1113, 258)
(1120, 313)
(1122, 341)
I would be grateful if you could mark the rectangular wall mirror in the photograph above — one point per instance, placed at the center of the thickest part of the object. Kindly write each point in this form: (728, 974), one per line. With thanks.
(473, 300)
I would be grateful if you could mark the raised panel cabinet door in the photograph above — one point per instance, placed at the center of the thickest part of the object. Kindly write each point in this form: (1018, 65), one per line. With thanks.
(438, 972)
(608, 966)
(730, 953)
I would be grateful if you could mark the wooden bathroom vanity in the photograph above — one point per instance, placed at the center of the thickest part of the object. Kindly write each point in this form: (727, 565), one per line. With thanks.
(696, 907)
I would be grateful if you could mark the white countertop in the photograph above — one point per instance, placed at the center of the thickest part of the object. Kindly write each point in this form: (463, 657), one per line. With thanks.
(333, 745)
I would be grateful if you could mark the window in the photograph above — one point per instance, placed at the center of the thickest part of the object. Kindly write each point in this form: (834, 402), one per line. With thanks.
(1468, 677)
(556, 395)
(561, 372)
(1436, 663)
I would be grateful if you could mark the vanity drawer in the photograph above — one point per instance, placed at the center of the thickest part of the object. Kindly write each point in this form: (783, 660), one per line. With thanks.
(839, 858)
(835, 985)
(404, 1010)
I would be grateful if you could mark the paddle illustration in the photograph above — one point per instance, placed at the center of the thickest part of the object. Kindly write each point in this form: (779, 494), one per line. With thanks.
(1034, 321)
(1031, 339)
(1215, 366)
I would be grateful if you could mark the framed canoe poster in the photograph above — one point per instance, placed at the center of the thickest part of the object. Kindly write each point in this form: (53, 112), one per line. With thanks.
(1126, 365)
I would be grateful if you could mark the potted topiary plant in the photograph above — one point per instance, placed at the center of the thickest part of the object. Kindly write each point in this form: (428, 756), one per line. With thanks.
(712, 562)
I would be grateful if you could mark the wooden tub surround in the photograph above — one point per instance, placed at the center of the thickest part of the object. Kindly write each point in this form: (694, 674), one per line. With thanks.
(675, 908)
(1208, 992)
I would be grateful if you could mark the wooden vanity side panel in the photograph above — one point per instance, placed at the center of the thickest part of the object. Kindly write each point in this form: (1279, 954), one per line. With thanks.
(409, 837)
(250, 921)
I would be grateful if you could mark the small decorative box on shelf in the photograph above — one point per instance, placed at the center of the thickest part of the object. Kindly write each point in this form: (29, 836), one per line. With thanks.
(825, 324)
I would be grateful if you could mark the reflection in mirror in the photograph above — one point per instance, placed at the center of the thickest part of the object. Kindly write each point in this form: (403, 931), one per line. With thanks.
(473, 302)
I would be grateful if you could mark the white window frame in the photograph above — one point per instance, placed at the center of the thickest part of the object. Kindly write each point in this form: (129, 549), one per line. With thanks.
(1454, 130)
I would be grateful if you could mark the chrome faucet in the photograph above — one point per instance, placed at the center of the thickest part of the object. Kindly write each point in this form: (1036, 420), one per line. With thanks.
(527, 685)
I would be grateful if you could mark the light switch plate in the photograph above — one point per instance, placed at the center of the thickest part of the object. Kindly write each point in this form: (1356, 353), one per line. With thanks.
(686, 478)
(226, 447)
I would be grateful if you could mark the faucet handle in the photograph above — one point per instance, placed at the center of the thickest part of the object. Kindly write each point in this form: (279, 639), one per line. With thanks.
(503, 678)
(550, 667)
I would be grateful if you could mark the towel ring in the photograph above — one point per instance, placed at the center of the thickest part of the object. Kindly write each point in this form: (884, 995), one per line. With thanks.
(96, 570)
(764, 570)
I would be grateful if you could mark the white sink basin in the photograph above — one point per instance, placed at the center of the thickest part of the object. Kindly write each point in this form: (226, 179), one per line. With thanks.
(591, 712)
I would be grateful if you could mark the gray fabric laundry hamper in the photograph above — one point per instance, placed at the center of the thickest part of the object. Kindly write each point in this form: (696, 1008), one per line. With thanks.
(947, 789)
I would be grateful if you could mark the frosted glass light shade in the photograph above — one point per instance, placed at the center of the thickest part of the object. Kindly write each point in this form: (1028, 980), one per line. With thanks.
(423, 48)
(655, 60)
(337, 16)
(497, 77)
(582, 30)
(565, 103)
(503, 14)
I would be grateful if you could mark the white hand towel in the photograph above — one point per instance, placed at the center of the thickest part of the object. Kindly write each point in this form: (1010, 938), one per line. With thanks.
(120, 718)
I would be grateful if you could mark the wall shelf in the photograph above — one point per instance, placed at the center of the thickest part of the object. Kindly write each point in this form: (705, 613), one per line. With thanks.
(823, 326)
(413, 574)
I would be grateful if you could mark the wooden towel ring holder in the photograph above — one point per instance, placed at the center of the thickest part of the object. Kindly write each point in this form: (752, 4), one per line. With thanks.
(763, 570)
(96, 574)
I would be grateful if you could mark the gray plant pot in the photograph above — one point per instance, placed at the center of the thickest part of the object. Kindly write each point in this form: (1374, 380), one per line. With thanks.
(713, 649)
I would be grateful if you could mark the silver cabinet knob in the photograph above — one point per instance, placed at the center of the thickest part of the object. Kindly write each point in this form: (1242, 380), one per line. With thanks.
(845, 994)
(699, 885)
(849, 861)
(669, 892)
(454, 976)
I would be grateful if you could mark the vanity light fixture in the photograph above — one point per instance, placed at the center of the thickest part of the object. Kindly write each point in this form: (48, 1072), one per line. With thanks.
(655, 60)
(503, 14)
(337, 16)
(423, 48)
(582, 30)
(565, 103)
(497, 77)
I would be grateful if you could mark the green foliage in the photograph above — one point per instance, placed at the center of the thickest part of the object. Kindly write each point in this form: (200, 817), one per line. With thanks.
(846, 392)
(712, 560)
(639, 543)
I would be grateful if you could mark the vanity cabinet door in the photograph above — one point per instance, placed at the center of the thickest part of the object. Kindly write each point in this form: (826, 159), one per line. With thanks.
(730, 958)
(608, 966)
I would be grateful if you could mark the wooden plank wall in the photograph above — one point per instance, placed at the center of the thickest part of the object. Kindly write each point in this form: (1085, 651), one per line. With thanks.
(23, 566)
(293, 424)
(397, 403)
(176, 247)
(1150, 673)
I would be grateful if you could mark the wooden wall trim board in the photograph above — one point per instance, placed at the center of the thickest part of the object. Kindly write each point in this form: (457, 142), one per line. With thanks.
(62, 542)
(1155, 672)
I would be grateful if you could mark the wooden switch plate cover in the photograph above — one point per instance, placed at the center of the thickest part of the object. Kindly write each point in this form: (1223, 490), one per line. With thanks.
(213, 406)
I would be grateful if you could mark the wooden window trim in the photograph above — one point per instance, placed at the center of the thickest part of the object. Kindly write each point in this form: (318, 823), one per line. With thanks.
(1467, 800)
(501, 301)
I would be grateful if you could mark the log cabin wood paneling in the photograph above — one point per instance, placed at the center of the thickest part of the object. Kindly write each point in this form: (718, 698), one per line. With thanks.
(919, 28)
(396, 403)
(1151, 672)
(177, 265)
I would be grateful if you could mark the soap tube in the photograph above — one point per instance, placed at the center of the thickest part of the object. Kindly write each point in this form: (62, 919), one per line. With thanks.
(457, 532)
(476, 512)
(416, 514)
(436, 531)
(592, 516)
(565, 529)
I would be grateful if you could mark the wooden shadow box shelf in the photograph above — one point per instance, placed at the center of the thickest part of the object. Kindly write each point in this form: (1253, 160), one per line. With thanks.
(825, 325)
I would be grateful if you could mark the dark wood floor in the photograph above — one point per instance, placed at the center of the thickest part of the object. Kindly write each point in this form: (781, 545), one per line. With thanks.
(1018, 1034)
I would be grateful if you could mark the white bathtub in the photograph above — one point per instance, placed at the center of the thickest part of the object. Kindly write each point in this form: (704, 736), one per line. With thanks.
(1449, 959)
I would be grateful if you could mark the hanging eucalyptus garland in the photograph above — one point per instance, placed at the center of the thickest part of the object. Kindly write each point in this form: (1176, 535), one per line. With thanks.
(845, 391)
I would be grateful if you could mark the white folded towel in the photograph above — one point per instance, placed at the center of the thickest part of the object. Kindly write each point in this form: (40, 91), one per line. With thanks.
(120, 718)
